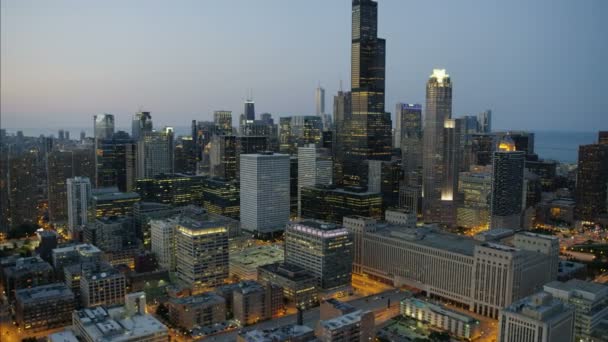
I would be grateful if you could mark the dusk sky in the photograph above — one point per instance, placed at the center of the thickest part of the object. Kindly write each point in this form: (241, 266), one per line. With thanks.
(539, 65)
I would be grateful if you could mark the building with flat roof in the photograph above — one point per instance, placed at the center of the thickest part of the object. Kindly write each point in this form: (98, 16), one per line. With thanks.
(537, 318)
(332, 308)
(62, 336)
(27, 273)
(299, 286)
(355, 326)
(244, 264)
(197, 311)
(105, 288)
(590, 303)
(44, 307)
(106, 202)
(253, 302)
(323, 249)
(175, 189)
(74, 254)
(118, 324)
(332, 204)
(456, 323)
(286, 333)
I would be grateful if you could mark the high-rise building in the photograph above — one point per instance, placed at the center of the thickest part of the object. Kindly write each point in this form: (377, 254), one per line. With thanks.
(223, 121)
(201, 249)
(481, 149)
(142, 123)
(342, 110)
(484, 122)
(249, 110)
(175, 189)
(300, 130)
(315, 166)
(222, 197)
(265, 186)
(591, 181)
(320, 101)
(44, 307)
(185, 156)
(367, 133)
(385, 177)
(408, 137)
(107, 202)
(254, 302)
(105, 288)
(115, 161)
(475, 189)
(435, 156)
(78, 197)
(145, 212)
(155, 153)
(332, 204)
(24, 192)
(299, 286)
(323, 249)
(603, 137)
(507, 201)
(537, 318)
(223, 157)
(103, 126)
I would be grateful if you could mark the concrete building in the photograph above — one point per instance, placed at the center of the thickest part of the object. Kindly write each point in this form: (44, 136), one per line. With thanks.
(264, 192)
(105, 288)
(323, 249)
(315, 166)
(475, 189)
(175, 189)
(199, 310)
(507, 202)
(79, 195)
(155, 153)
(299, 286)
(253, 302)
(107, 202)
(74, 254)
(27, 273)
(332, 308)
(484, 276)
(589, 301)
(162, 242)
(286, 333)
(355, 326)
(332, 204)
(118, 324)
(244, 264)
(538, 318)
(438, 316)
(44, 307)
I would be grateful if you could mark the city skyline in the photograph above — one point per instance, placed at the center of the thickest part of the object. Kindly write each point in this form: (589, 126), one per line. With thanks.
(122, 68)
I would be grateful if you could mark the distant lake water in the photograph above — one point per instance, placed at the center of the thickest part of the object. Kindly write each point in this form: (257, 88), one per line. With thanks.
(556, 145)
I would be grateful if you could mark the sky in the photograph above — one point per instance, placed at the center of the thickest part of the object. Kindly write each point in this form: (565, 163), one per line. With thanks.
(539, 65)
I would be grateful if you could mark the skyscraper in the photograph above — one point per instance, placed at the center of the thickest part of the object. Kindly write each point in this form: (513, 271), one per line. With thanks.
(155, 153)
(103, 126)
(142, 122)
(507, 187)
(249, 110)
(115, 161)
(320, 101)
(484, 121)
(435, 159)
(408, 137)
(223, 121)
(314, 167)
(591, 181)
(265, 192)
(367, 134)
(79, 194)
(342, 113)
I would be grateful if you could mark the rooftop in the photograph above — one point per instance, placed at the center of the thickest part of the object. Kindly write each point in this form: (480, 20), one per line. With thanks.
(39, 293)
(114, 325)
(318, 228)
(84, 248)
(283, 333)
(63, 336)
(207, 297)
(195, 218)
(430, 237)
(440, 309)
(540, 306)
(112, 196)
(289, 271)
(578, 288)
(344, 320)
(257, 256)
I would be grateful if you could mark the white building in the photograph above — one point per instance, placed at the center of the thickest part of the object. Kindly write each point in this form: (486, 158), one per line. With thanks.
(538, 318)
(162, 242)
(590, 303)
(265, 197)
(155, 153)
(314, 167)
(354, 326)
(79, 194)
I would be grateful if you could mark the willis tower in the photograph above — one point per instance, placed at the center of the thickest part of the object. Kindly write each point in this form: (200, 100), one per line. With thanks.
(367, 129)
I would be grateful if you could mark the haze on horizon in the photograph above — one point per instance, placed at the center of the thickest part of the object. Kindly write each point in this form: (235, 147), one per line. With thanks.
(539, 65)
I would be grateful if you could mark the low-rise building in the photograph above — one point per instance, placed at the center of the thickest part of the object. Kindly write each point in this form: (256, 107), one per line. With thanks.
(590, 303)
(355, 326)
(244, 264)
(74, 254)
(299, 286)
(199, 310)
(44, 307)
(456, 323)
(286, 333)
(537, 318)
(253, 302)
(105, 288)
(27, 273)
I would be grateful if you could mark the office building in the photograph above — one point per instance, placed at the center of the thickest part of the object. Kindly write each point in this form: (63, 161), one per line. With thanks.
(197, 311)
(201, 249)
(141, 124)
(285, 333)
(591, 181)
(24, 192)
(111, 234)
(323, 249)
(174, 189)
(457, 324)
(78, 197)
(26, 273)
(436, 160)
(155, 153)
(75, 254)
(354, 326)
(484, 122)
(222, 197)
(481, 149)
(115, 161)
(320, 101)
(299, 131)
(223, 156)
(264, 192)
(145, 212)
(119, 324)
(162, 242)
(106, 202)
(73, 273)
(253, 302)
(315, 166)
(249, 109)
(331, 204)
(475, 189)
(538, 318)
(342, 114)
(455, 268)
(105, 288)
(367, 132)
(589, 301)
(44, 307)
(507, 201)
(386, 178)
(244, 263)
(185, 155)
(47, 241)
(408, 137)
(223, 121)
(103, 126)
(299, 286)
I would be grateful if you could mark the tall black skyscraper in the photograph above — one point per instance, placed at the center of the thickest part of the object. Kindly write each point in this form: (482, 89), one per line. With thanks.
(249, 110)
(367, 135)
